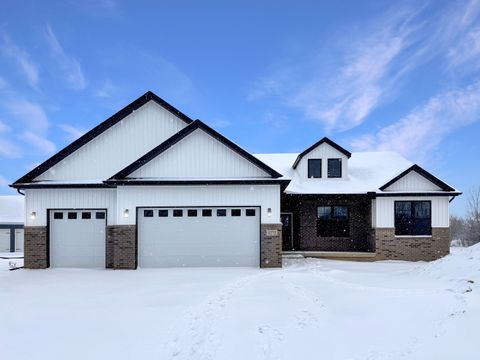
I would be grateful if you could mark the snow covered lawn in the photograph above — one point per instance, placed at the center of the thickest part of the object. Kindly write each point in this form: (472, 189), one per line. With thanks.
(310, 309)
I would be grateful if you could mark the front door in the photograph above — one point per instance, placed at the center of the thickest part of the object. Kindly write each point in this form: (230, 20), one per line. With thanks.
(287, 232)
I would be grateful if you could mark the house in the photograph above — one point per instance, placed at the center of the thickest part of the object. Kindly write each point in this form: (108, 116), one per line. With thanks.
(151, 187)
(12, 215)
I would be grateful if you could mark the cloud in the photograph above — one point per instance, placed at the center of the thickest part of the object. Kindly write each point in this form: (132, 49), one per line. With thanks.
(423, 129)
(8, 149)
(22, 59)
(68, 65)
(106, 90)
(31, 114)
(3, 127)
(72, 132)
(42, 144)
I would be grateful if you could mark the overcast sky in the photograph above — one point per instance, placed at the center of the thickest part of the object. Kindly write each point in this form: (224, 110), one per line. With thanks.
(273, 76)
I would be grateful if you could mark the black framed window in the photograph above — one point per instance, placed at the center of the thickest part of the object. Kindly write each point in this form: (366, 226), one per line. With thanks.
(72, 215)
(86, 215)
(146, 213)
(334, 168)
(163, 213)
(413, 218)
(314, 168)
(221, 212)
(250, 212)
(192, 213)
(58, 216)
(177, 213)
(333, 221)
(99, 215)
(207, 212)
(236, 212)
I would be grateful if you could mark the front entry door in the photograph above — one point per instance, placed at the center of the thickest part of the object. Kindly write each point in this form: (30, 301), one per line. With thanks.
(287, 232)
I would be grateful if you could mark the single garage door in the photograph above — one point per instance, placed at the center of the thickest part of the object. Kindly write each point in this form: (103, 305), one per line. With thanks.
(199, 236)
(19, 235)
(4, 240)
(77, 238)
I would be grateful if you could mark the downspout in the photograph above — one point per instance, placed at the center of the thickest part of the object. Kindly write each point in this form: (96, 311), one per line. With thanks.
(20, 192)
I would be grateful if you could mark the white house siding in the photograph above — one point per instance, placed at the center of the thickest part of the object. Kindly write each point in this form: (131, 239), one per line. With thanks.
(199, 155)
(324, 152)
(385, 214)
(413, 182)
(266, 196)
(39, 200)
(118, 146)
(374, 213)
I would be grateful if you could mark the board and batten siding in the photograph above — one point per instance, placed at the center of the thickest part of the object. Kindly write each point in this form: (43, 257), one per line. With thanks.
(118, 146)
(324, 152)
(413, 182)
(266, 196)
(39, 200)
(199, 155)
(385, 210)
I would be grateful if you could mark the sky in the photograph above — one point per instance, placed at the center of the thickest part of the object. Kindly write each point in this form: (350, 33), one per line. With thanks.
(273, 76)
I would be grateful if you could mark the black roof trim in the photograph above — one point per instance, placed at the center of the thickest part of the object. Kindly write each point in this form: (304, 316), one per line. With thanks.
(422, 172)
(99, 129)
(34, 185)
(318, 143)
(197, 124)
(392, 194)
(134, 182)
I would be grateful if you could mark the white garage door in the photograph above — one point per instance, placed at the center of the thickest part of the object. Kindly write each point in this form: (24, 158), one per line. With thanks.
(77, 238)
(4, 240)
(205, 236)
(19, 240)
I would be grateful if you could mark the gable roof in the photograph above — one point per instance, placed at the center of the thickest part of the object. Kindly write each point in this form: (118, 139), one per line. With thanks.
(422, 172)
(318, 143)
(99, 129)
(167, 144)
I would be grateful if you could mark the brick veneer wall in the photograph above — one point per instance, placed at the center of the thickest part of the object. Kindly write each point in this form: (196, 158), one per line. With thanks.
(271, 246)
(411, 248)
(304, 209)
(35, 247)
(121, 247)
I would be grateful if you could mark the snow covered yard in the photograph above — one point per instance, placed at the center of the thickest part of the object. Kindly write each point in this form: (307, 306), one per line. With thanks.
(310, 309)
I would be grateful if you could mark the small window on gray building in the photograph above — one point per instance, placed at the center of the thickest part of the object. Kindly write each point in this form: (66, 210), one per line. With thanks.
(334, 168)
(314, 168)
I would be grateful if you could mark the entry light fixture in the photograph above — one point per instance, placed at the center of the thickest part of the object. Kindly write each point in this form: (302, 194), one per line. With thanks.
(269, 211)
(33, 215)
(126, 213)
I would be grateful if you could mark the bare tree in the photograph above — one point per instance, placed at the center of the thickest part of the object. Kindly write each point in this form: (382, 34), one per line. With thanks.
(472, 235)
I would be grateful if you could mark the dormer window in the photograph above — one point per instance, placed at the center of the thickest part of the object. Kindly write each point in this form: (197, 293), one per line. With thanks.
(314, 168)
(334, 168)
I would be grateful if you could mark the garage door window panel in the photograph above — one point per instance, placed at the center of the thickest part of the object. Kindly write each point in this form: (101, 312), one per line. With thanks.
(100, 215)
(162, 213)
(72, 215)
(236, 212)
(192, 213)
(86, 215)
(58, 216)
(177, 213)
(221, 212)
(207, 212)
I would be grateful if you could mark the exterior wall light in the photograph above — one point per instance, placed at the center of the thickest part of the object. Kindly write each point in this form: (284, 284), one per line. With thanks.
(269, 211)
(33, 215)
(126, 213)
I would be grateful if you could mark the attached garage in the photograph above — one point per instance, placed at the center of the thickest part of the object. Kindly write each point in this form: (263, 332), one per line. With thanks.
(77, 238)
(198, 236)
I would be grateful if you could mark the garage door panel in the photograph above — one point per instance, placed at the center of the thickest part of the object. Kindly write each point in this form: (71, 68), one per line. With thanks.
(198, 240)
(4, 240)
(77, 238)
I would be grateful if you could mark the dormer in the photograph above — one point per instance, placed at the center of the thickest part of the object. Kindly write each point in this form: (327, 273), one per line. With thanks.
(324, 160)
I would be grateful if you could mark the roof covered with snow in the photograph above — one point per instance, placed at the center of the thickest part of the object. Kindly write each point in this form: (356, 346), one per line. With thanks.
(12, 208)
(367, 172)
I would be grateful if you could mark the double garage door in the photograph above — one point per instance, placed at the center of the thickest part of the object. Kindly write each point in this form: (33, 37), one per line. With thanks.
(5, 245)
(166, 237)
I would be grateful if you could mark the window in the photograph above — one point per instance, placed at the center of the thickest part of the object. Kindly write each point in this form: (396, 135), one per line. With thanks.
(333, 221)
(86, 215)
(147, 213)
(334, 168)
(192, 213)
(72, 215)
(58, 215)
(177, 213)
(236, 212)
(221, 212)
(250, 212)
(314, 168)
(413, 218)
(100, 215)
(207, 212)
(163, 213)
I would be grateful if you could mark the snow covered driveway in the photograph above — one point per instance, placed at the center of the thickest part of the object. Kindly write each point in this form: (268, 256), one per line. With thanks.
(310, 309)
